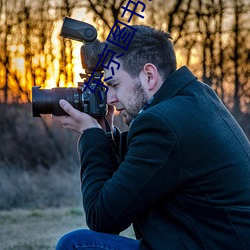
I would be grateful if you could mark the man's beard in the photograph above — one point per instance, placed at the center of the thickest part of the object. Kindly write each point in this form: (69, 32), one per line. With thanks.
(136, 102)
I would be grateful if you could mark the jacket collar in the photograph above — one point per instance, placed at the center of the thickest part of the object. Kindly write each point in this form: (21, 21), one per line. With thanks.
(173, 84)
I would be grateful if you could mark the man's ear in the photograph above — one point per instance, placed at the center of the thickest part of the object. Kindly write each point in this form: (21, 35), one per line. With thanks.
(152, 75)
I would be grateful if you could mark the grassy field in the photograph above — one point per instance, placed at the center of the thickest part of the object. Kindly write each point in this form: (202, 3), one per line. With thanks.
(39, 168)
(40, 229)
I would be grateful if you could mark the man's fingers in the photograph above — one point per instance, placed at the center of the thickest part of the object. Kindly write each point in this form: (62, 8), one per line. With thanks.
(68, 108)
(76, 120)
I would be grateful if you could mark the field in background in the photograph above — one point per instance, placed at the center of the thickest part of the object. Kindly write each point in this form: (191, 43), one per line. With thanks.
(22, 229)
(40, 198)
(37, 229)
(38, 161)
(39, 165)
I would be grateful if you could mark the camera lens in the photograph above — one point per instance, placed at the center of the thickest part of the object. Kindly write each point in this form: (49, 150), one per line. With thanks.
(46, 101)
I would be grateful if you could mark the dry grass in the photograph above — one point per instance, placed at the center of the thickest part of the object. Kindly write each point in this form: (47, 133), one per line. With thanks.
(36, 229)
(41, 188)
(40, 229)
(39, 183)
(39, 165)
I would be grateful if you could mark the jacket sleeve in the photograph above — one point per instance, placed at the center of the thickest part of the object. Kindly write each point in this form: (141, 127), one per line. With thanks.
(113, 199)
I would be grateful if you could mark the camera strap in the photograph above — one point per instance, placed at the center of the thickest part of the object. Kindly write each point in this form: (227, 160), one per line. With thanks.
(109, 133)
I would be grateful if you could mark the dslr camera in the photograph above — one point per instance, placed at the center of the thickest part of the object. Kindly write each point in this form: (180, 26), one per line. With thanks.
(46, 101)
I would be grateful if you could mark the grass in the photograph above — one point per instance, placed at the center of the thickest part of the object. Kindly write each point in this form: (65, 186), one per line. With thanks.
(55, 187)
(39, 163)
(39, 169)
(40, 229)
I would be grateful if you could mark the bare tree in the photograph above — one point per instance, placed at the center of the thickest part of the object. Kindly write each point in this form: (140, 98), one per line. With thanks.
(65, 9)
(239, 53)
(4, 56)
(10, 85)
(104, 13)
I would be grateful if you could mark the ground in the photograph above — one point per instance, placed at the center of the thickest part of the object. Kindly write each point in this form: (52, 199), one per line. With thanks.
(40, 229)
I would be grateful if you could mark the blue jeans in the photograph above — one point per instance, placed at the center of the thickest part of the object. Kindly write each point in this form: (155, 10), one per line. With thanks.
(87, 239)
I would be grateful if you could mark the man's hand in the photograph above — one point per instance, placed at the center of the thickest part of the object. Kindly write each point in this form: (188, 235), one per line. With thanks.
(76, 121)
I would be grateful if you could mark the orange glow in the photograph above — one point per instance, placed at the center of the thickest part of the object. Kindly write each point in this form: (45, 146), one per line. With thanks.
(180, 58)
(42, 67)
(19, 64)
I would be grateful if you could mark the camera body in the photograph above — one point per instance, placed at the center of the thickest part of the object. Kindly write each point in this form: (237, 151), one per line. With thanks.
(46, 101)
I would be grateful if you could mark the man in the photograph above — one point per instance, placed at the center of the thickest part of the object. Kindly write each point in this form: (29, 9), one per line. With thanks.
(183, 178)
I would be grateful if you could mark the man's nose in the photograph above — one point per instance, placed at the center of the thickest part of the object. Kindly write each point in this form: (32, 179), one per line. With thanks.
(111, 97)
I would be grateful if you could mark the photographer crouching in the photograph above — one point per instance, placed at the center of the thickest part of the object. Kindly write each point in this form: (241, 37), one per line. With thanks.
(180, 175)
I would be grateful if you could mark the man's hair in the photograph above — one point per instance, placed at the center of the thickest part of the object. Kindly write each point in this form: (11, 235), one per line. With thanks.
(148, 45)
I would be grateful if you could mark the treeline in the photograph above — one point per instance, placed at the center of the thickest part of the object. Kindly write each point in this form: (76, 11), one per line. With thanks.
(211, 37)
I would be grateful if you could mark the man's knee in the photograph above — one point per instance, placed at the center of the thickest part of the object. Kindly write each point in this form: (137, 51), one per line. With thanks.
(69, 240)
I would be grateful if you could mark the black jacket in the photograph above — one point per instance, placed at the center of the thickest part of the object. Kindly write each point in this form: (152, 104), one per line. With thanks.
(185, 178)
